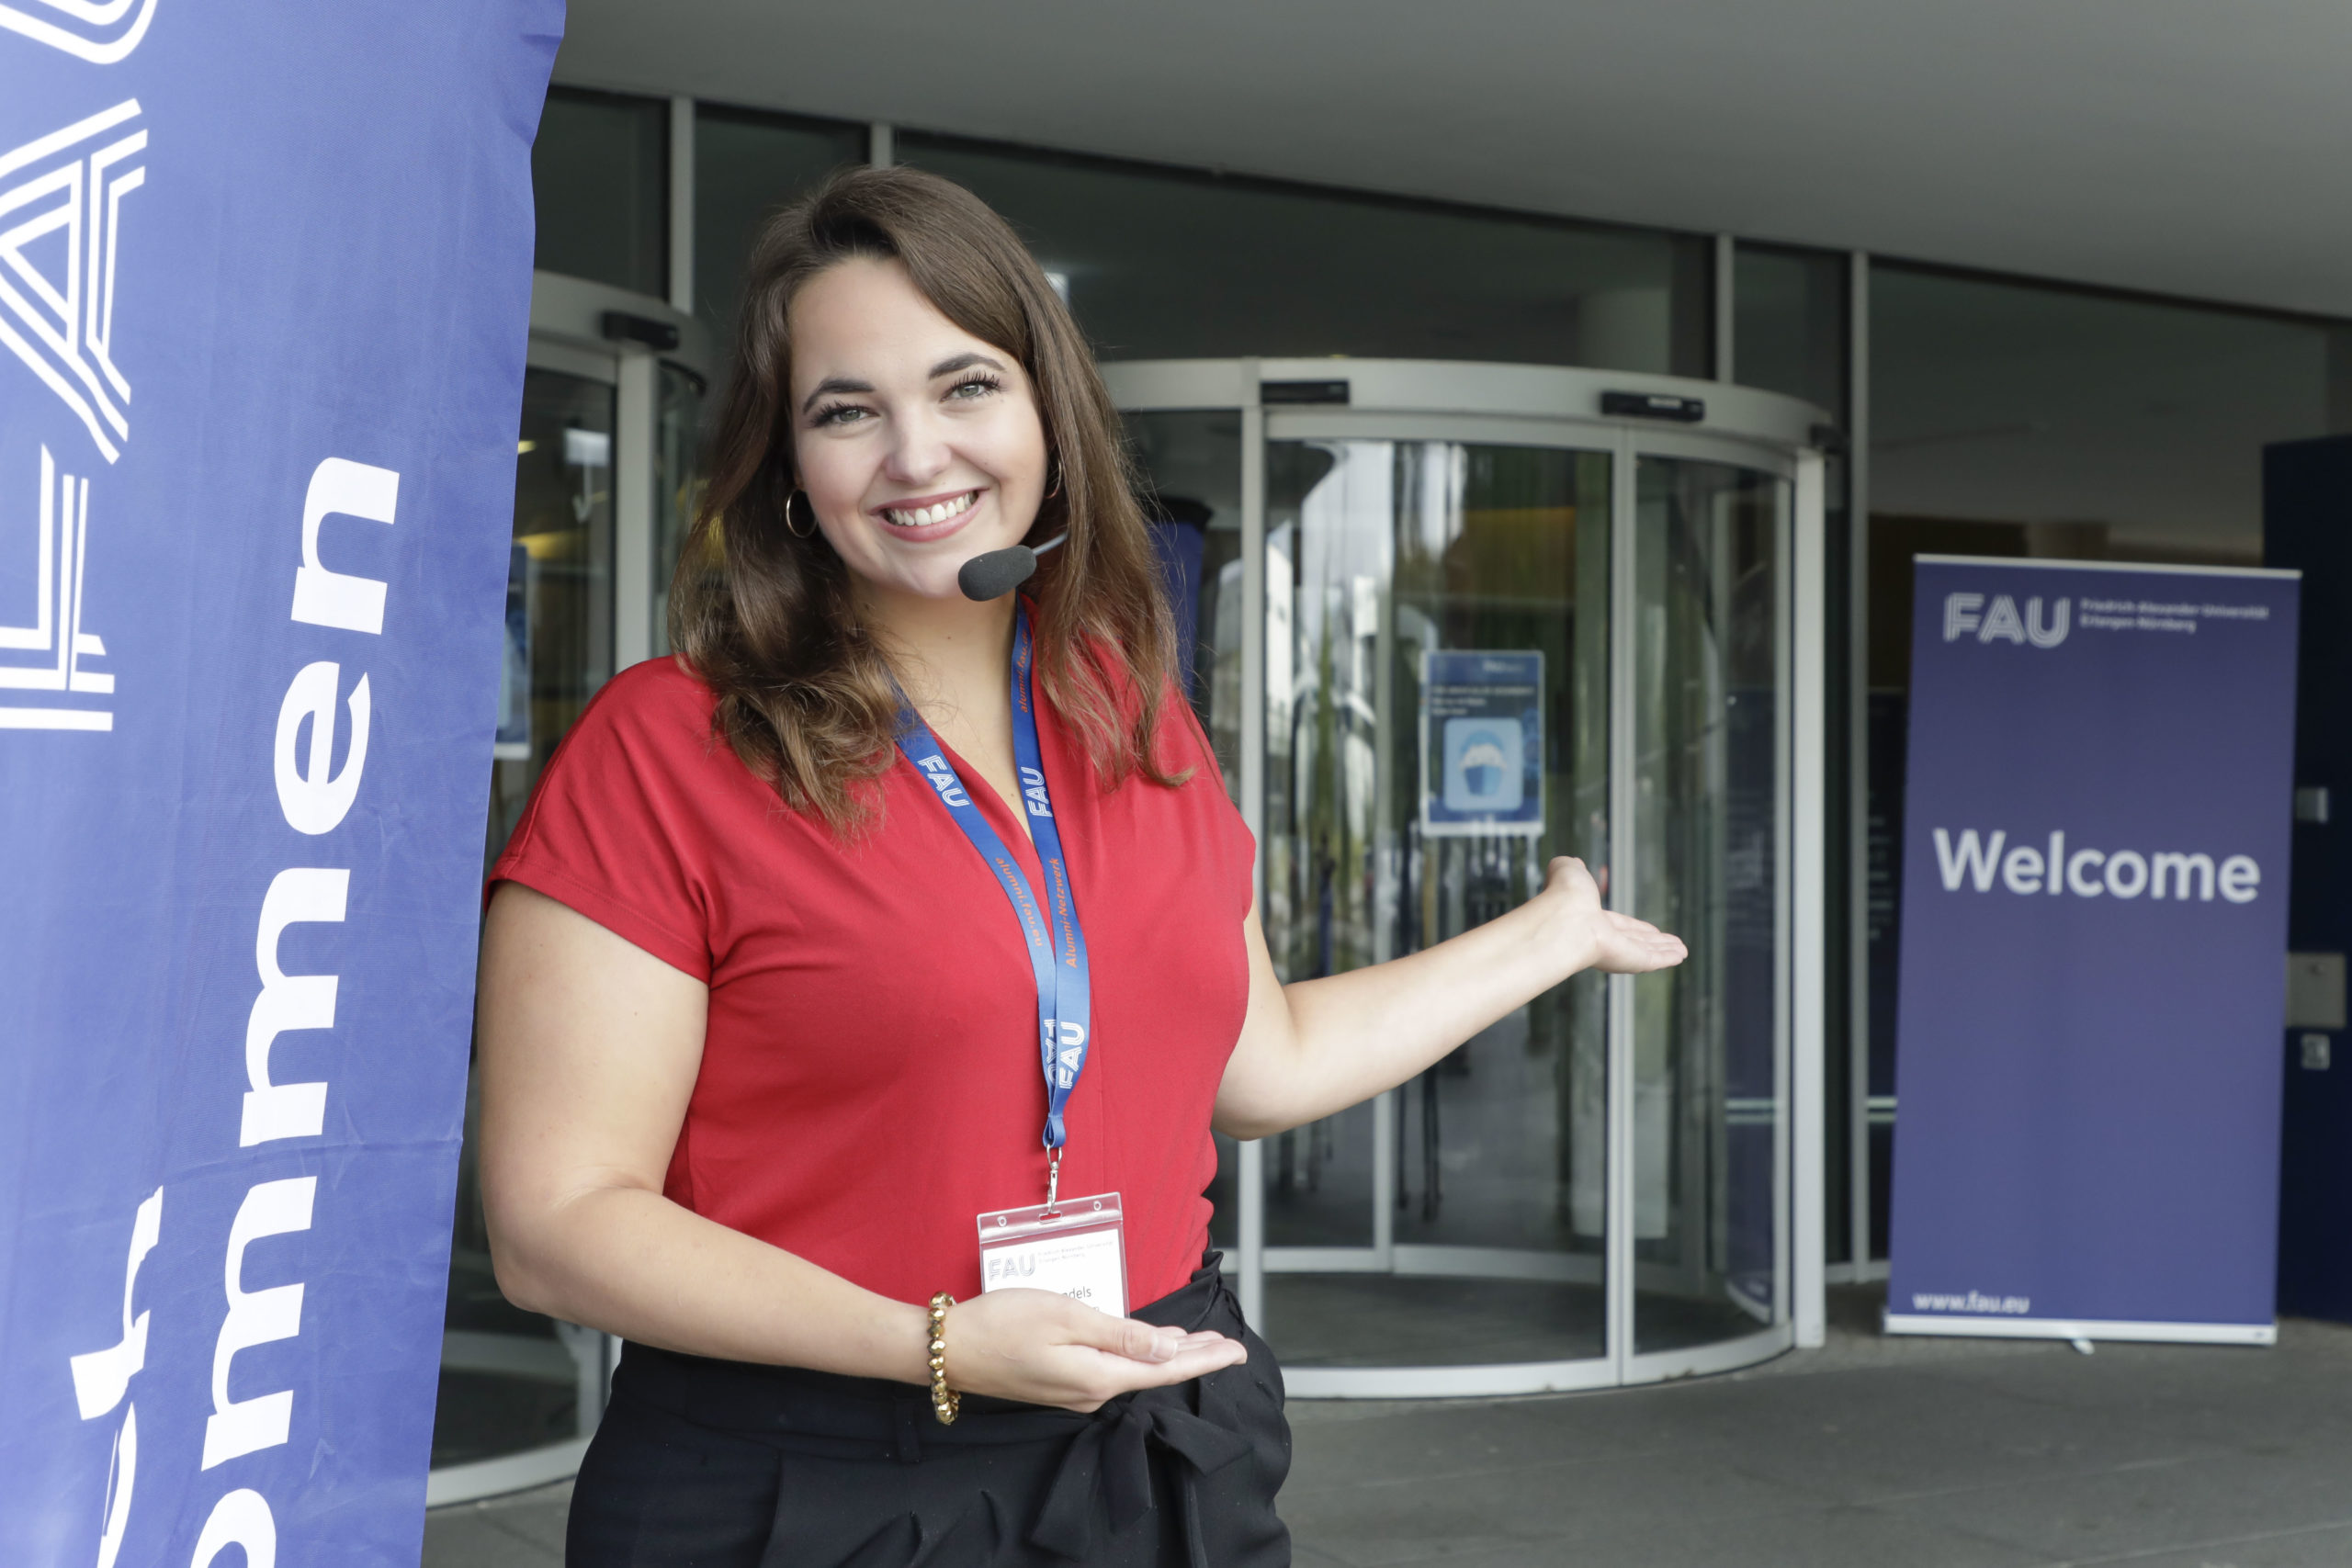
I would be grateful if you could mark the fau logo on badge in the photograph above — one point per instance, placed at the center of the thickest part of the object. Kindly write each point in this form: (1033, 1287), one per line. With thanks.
(943, 779)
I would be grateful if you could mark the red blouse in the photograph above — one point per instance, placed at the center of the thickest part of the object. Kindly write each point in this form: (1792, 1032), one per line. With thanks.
(869, 1079)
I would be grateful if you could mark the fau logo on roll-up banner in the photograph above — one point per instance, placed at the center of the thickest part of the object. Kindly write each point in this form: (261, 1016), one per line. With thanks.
(2096, 830)
(265, 284)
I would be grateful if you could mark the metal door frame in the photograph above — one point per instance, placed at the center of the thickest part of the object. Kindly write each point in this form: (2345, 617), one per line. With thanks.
(1542, 406)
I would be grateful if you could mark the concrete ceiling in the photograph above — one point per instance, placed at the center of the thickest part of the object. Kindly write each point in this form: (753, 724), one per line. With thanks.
(2183, 146)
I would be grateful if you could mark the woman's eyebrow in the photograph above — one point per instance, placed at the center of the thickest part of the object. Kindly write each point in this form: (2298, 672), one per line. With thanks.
(833, 384)
(962, 361)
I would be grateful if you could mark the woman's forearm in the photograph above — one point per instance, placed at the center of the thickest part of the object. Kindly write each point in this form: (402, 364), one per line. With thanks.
(1349, 1036)
(1309, 1049)
(633, 1263)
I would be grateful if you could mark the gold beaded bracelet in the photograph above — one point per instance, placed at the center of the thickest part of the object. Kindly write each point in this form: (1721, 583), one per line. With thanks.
(945, 1401)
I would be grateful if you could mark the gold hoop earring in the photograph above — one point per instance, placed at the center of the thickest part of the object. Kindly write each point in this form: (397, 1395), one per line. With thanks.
(1058, 483)
(796, 533)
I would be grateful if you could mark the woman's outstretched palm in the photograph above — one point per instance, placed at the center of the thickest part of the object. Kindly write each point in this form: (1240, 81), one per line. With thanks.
(1616, 943)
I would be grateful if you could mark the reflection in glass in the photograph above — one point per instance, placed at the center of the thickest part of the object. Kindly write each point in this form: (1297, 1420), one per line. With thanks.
(511, 1380)
(600, 179)
(1708, 859)
(1168, 262)
(747, 166)
(1380, 555)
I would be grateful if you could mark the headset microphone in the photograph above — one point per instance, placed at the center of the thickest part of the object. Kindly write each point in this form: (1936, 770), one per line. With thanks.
(998, 572)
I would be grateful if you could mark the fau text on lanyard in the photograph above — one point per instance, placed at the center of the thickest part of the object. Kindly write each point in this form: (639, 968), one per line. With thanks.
(1075, 1249)
(1056, 946)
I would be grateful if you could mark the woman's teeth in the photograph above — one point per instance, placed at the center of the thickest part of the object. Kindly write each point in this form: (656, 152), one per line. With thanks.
(922, 516)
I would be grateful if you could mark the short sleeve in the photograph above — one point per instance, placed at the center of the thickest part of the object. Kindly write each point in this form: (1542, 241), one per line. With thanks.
(615, 827)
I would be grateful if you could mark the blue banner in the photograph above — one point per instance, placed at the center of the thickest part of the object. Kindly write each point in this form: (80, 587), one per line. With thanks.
(264, 278)
(2093, 951)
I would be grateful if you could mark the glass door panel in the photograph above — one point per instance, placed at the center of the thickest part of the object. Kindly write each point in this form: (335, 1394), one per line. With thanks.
(1709, 1082)
(1190, 463)
(1436, 730)
(513, 1380)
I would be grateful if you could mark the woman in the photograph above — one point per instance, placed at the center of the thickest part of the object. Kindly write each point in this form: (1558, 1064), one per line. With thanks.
(881, 915)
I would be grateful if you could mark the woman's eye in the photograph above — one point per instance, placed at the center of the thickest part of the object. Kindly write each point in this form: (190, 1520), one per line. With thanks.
(977, 386)
(839, 414)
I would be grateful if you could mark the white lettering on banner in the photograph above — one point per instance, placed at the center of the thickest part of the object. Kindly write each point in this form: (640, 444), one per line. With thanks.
(61, 551)
(314, 800)
(324, 598)
(241, 1518)
(2002, 623)
(101, 1378)
(101, 38)
(72, 183)
(297, 896)
(314, 803)
(255, 1317)
(2091, 874)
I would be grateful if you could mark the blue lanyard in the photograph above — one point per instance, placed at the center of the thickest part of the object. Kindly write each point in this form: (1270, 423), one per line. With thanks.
(1056, 946)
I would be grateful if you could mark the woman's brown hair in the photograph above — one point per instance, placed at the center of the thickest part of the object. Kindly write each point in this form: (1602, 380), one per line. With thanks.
(766, 616)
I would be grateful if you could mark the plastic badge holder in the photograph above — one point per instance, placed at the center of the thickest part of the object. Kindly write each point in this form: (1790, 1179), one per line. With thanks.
(1074, 1248)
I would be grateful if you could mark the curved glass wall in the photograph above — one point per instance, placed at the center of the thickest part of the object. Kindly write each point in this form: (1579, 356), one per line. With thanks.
(1448, 625)
(1709, 809)
(1437, 632)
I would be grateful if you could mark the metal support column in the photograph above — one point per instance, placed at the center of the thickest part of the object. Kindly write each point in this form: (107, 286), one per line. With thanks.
(1624, 643)
(1253, 791)
(1809, 953)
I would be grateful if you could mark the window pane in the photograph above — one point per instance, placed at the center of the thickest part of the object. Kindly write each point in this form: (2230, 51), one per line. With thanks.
(600, 169)
(1789, 324)
(746, 166)
(1165, 263)
(1709, 780)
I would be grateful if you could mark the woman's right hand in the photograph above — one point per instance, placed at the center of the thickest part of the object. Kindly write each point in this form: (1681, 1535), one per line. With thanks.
(1044, 1349)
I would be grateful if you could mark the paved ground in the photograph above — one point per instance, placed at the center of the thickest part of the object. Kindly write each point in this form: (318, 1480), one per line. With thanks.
(1886, 1454)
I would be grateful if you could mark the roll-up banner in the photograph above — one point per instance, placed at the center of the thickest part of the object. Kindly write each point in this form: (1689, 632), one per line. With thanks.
(2094, 853)
(264, 277)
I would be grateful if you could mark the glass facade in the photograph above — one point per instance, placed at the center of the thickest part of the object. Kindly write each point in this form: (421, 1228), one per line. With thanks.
(2005, 417)
(1165, 264)
(1791, 333)
(600, 171)
(748, 164)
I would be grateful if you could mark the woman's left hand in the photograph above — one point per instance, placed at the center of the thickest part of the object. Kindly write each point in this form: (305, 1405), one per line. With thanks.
(1602, 937)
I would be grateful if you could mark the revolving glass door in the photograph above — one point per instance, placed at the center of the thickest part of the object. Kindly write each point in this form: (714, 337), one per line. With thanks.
(1438, 636)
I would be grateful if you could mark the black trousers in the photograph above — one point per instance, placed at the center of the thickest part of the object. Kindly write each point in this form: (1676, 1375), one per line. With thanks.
(705, 1463)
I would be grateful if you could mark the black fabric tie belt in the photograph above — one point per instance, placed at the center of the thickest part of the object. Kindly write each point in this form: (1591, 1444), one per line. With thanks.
(1113, 1455)
(1197, 1428)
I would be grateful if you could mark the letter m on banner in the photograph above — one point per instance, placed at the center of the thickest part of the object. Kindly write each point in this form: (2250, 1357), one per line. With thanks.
(61, 207)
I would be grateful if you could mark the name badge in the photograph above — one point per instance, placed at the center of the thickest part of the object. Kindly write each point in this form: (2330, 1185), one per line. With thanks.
(1076, 1247)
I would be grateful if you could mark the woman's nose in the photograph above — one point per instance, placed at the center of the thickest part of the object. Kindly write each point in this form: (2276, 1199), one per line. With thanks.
(919, 450)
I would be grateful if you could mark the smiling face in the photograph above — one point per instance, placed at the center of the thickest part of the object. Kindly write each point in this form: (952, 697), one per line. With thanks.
(920, 446)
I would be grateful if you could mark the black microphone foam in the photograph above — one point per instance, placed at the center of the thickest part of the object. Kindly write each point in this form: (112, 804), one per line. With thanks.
(996, 573)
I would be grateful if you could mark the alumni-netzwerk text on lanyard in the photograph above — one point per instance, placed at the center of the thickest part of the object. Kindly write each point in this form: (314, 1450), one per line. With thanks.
(1056, 945)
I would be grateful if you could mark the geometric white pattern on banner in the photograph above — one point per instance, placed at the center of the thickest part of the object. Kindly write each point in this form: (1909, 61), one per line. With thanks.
(61, 209)
(100, 41)
(60, 548)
